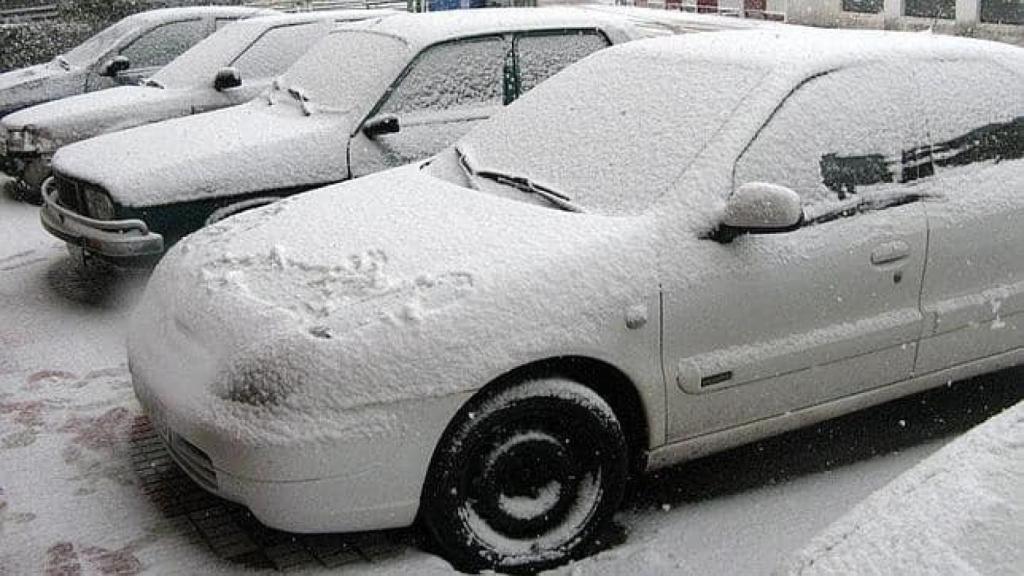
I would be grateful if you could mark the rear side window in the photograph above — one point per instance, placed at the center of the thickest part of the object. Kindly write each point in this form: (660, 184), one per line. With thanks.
(974, 115)
(164, 43)
(275, 51)
(840, 134)
(452, 76)
(541, 55)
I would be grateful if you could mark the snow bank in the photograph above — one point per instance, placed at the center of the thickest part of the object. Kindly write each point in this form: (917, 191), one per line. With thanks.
(961, 511)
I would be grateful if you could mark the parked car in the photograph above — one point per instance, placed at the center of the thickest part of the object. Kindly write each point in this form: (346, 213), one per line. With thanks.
(640, 262)
(230, 67)
(124, 53)
(366, 98)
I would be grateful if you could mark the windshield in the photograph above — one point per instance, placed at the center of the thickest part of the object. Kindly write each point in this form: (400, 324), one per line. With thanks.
(95, 47)
(348, 70)
(200, 64)
(666, 108)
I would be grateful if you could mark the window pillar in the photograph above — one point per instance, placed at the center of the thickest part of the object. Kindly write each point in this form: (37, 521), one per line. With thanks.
(968, 12)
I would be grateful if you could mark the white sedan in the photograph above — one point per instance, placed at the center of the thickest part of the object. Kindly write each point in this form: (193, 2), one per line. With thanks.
(673, 247)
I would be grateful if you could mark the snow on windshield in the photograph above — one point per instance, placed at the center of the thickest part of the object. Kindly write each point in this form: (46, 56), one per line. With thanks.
(614, 131)
(348, 69)
(92, 49)
(200, 63)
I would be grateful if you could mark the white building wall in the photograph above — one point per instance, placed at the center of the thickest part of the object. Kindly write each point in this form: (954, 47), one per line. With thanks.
(830, 13)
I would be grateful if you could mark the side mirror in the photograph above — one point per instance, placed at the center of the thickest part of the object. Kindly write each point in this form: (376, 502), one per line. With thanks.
(227, 78)
(382, 124)
(115, 66)
(760, 208)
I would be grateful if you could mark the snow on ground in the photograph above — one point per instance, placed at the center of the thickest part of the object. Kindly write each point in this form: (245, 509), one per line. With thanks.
(960, 511)
(86, 489)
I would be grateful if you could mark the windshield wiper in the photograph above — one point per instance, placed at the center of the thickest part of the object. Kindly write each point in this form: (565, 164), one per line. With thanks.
(153, 83)
(520, 183)
(300, 95)
(869, 205)
(63, 63)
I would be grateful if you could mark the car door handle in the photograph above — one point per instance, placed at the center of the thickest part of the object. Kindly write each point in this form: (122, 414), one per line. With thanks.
(890, 252)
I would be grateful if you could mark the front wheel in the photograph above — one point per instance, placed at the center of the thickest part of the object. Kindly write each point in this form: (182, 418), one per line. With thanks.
(526, 479)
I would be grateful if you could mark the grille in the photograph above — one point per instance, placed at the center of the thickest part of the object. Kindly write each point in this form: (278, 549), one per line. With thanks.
(69, 194)
(195, 462)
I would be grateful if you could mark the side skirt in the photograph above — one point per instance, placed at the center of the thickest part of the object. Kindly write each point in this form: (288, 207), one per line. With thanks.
(700, 446)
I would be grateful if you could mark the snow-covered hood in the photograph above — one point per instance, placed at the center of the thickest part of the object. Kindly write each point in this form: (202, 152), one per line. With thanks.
(242, 149)
(382, 245)
(35, 84)
(87, 115)
(389, 287)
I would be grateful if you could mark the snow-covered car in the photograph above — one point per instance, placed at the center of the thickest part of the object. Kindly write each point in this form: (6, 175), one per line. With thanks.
(230, 67)
(672, 247)
(371, 96)
(129, 50)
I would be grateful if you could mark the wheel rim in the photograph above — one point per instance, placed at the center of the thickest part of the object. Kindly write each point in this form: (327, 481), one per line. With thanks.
(531, 485)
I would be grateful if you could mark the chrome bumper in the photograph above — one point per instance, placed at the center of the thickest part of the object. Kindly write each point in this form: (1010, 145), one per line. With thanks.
(112, 238)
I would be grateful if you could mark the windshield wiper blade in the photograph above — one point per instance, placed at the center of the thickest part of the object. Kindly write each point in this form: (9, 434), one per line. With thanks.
(869, 205)
(300, 95)
(520, 183)
(526, 185)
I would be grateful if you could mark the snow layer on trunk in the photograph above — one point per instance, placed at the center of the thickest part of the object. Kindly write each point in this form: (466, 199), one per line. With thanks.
(961, 511)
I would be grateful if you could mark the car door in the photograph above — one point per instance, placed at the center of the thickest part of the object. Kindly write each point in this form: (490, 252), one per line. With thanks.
(446, 90)
(155, 48)
(973, 293)
(540, 54)
(776, 322)
(273, 52)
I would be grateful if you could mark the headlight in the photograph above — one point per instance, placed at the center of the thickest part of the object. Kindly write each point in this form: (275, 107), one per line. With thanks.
(98, 204)
(24, 140)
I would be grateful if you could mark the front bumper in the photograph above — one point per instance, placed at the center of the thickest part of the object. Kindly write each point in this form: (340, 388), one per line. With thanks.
(118, 240)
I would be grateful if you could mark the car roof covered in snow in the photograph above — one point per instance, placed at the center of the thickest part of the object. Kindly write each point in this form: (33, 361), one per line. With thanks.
(421, 30)
(286, 18)
(165, 14)
(803, 52)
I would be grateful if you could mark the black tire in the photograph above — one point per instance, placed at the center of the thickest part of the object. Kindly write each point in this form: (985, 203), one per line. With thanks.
(526, 479)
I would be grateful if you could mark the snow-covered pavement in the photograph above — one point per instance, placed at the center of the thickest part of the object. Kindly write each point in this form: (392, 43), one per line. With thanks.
(85, 489)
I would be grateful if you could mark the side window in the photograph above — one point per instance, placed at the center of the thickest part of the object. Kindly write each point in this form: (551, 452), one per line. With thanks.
(458, 75)
(276, 50)
(975, 117)
(539, 56)
(848, 132)
(164, 43)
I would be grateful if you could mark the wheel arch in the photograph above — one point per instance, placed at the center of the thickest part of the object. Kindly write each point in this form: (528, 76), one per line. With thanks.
(608, 381)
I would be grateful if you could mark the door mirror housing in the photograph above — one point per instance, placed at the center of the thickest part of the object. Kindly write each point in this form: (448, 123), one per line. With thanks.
(115, 66)
(381, 124)
(760, 208)
(227, 78)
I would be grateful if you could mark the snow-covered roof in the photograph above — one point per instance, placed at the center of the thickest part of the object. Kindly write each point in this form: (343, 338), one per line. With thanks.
(803, 52)
(421, 30)
(165, 14)
(279, 19)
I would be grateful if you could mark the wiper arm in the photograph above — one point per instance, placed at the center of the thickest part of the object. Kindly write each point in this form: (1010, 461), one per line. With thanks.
(870, 204)
(464, 164)
(300, 95)
(520, 183)
(153, 83)
(526, 185)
